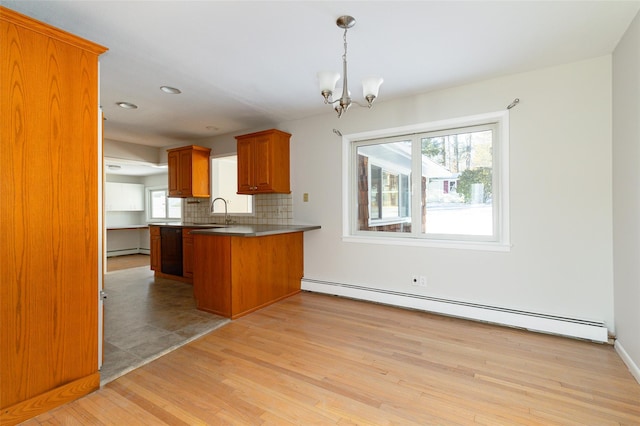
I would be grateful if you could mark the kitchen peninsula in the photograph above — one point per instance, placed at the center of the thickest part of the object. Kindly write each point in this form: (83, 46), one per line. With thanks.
(238, 269)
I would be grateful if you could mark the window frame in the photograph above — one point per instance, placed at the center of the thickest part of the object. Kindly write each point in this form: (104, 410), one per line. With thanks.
(149, 210)
(382, 220)
(500, 200)
(218, 211)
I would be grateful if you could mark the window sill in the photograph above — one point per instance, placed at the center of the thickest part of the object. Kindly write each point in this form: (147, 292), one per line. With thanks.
(423, 242)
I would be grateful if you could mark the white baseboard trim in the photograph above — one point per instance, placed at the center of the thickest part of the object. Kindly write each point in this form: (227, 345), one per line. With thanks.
(571, 327)
(631, 365)
(122, 252)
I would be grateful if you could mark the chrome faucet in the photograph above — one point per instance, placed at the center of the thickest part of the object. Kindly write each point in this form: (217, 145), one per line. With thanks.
(227, 220)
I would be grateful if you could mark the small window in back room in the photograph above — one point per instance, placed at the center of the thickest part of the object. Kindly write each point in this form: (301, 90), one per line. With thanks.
(224, 184)
(163, 207)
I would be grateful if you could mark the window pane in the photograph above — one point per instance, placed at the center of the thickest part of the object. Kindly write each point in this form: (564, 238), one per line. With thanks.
(384, 201)
(158, 204)
(375, 193)
(174, 210)
(163, 207)
(457, 172)
(224, 183)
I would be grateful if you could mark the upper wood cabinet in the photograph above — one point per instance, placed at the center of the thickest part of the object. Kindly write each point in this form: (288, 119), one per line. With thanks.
(49, 249)
(188, 171)
(263, 162)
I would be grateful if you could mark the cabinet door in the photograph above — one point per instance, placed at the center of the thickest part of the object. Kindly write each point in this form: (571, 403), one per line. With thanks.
(245, 166)
(184, 173)
(111, 190)
(173, 164)
(187, 253)
(263, 164)
(155, 247)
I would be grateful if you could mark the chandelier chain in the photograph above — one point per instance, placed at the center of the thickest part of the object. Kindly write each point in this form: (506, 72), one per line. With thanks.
(344, 37)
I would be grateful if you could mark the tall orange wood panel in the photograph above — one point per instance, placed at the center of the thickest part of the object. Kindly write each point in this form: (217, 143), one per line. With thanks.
(49, 243)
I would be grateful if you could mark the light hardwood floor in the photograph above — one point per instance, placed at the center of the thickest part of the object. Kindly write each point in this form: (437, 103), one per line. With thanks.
(118, 263)
(316, 359)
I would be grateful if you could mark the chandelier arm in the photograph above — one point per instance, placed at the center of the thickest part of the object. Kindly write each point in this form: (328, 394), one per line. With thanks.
(368, 105)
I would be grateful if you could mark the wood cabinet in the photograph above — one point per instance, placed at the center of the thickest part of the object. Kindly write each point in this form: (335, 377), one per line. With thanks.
(233, 276)
(263, 162)
(49, 250)
(155, 248)
(189, 172)
(187, 253)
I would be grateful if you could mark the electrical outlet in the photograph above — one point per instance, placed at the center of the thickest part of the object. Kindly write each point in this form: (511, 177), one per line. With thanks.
(422, 281)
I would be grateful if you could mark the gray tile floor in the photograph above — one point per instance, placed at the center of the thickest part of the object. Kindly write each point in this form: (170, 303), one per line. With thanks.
(146, 317)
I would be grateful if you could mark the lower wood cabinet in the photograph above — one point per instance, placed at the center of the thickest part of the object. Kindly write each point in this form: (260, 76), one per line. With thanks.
(155, 248)
(187, 253)
(233, 276)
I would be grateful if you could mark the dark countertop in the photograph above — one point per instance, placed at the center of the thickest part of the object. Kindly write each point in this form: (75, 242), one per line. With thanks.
(254, 230)
(188, 224)
(117, 227)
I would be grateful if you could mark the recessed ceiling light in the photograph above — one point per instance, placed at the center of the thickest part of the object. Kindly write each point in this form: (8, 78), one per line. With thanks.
(169, 89)
(126, 105)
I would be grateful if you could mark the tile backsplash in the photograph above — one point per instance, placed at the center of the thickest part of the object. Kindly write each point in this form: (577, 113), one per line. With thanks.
(275, 209)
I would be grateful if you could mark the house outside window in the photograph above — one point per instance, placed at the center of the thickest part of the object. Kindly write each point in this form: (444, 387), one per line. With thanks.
(446, 182)
(161, 207)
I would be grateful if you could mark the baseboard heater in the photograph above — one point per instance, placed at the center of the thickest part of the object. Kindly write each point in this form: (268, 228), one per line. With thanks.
(572, 327)
(122, 252)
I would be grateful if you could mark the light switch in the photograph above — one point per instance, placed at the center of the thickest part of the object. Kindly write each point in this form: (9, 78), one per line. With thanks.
(305, 197)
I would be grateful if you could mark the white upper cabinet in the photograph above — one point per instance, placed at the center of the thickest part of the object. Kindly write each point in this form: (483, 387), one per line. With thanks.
(127, 197)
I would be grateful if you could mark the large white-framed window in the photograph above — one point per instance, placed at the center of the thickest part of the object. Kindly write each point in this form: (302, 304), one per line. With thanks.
(224, 184)
(440, 184)
(160, 206)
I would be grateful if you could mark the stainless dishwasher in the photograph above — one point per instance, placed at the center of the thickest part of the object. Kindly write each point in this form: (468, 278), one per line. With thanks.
(171, 250)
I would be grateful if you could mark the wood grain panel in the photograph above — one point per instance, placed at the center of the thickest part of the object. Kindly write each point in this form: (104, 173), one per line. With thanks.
(46, 401)
(313, 359)
(49, 210)
(265, 269)
(187, 253)
(212, 274)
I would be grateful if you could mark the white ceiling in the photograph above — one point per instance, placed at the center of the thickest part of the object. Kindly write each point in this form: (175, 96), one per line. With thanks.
(246, 64)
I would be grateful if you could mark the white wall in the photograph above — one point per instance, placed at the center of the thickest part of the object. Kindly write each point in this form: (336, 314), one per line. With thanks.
(561, 261)
(132, 151)
(561, 194)
(626, 194)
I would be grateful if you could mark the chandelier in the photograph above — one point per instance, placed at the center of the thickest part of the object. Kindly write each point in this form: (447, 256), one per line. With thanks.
(328, 79)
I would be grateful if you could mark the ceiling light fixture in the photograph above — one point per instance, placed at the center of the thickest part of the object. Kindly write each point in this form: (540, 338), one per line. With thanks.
(171, 90)
(328, 79)
(127, 105)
